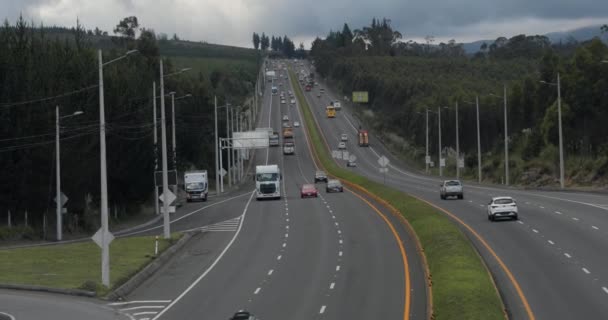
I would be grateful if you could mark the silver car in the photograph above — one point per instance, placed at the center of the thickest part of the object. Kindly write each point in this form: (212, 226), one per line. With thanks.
(502, 207)
(451, 188)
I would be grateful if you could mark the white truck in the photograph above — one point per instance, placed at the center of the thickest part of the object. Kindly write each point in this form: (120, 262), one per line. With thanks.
(271, 76)
(196, 185)
(267, 182)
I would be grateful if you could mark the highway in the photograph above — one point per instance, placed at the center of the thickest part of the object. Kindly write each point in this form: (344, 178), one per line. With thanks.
(555, 253)
(332, 257)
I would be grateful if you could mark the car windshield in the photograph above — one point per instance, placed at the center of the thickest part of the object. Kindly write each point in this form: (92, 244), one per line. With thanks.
(452, 183)
(503, 201)
(262, 177)
(320, 174)
(333, 183)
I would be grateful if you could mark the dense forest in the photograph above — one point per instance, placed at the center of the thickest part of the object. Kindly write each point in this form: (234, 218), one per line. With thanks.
(279, 47)
(405, 78)
(40, 70)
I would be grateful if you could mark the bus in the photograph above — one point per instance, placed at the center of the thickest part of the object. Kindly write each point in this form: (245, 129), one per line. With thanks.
(330, 111)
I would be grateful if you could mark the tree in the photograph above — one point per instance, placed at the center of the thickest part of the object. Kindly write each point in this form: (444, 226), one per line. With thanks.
(604, 28)
(264, 42)
(175, 37)
(127, 27)
(347, 36)
(256, 41)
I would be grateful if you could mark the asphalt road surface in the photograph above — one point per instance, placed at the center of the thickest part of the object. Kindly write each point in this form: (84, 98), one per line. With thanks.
(556, 253)
(332, 257)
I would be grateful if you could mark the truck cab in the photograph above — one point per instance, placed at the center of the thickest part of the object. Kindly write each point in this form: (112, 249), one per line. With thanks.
(196, 185)
(267, 182)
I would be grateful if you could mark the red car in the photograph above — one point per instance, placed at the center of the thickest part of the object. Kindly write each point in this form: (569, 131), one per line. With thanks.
(309, 190)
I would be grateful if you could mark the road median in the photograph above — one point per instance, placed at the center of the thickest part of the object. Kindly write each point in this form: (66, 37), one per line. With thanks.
(462, 287)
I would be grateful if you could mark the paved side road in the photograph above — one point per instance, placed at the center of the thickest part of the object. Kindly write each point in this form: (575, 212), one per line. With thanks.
(23, 305)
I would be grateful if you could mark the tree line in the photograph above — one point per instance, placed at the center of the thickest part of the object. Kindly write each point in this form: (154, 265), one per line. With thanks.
(39, 72)
(405, 78)
(278, 45)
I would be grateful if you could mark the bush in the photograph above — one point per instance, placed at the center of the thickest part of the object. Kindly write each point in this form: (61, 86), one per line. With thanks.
(17, 233)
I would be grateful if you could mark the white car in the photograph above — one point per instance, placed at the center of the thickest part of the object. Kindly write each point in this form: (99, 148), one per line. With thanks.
(344, 137)
(502, 207)
(342, 146)
(293, 101)
(296, 124)
(282, 101)
(285, 118)
(451, 188)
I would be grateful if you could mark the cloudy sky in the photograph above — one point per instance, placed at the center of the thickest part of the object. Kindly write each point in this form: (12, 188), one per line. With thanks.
(233, 21)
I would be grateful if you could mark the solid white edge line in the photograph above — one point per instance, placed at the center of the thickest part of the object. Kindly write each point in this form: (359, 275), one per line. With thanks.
(141, 307)
(202, 276)
(138, 301)
(145, 312)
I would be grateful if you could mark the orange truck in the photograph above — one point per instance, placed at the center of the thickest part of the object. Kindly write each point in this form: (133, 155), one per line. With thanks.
(287, 133)
(363, 138)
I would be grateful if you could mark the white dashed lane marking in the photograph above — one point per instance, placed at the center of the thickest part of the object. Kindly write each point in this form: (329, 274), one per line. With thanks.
(594, 227)
(567, 255)
(551, 242)
(575, 219)
(558, 212)
(322, 311)
(332, 285)
(535, 231)
(270, 272)
(257, 290)
(338, 268)
(586, 271)
(605, 290)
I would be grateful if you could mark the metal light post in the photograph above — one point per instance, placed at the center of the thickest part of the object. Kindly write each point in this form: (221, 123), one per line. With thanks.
(58, 171)
(105, 233)
(156, 207)
(506, 134)
(559, 121)
(476, 103)
(426, 158)
(174, 138)
(217, 168)
(457, 146)
(228, 150)
(439, 126)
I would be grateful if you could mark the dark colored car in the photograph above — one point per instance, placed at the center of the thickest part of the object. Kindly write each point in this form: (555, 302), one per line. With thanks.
(243, 315)
(309, 190)
(334, 185)
(320, 176)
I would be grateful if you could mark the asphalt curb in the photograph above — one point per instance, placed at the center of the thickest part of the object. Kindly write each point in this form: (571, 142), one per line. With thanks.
(135, 281)
(25, 287)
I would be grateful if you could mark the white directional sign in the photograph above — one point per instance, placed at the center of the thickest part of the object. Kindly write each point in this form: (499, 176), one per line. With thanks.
(442, 162)
(461, 163)
(64, 199)
(98, 238)
(427, 159)
(223, 172)
(383, 170)
(170, 196)
(171, 209)
(383, 161)
(352, 158)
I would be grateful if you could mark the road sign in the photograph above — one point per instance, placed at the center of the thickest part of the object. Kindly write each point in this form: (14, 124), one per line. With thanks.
(383, 161)
(442, 162)
(170, 196)
(171, 209)
(64, 199)
(427, 159)
(98, 238)
(461, 163)
(383, 170)
(223, 172)
(360, 96)
(352, 158)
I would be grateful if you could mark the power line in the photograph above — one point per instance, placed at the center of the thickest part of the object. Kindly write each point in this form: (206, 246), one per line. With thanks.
(67, 94)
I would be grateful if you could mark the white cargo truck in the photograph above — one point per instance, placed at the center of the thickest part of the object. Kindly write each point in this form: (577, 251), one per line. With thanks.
(196, 184)
(268, 182)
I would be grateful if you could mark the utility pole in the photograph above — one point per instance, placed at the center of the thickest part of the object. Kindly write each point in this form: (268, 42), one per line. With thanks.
(439, 125)
(58, 178)
(156, 206)
(166, 221)
(457, 146)
(217, 151)
(105, 247)
(506, 140)
(478, 141)
(228, 149)
(426, 159)
(174, 143)
(561, 143)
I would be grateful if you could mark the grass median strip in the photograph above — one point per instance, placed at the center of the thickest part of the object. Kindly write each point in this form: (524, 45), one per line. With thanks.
(462, 287)
(78, 265)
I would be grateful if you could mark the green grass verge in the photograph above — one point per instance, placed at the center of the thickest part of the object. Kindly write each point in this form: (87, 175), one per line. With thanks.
(462, 287)
(78, 265)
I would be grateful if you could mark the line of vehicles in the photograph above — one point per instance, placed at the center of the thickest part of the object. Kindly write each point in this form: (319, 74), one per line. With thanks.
(498, 207)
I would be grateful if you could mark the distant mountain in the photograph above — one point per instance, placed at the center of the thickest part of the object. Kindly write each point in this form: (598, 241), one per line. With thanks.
(580, 34)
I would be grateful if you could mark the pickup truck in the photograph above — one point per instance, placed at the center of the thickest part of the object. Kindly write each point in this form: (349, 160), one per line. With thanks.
(451, 188)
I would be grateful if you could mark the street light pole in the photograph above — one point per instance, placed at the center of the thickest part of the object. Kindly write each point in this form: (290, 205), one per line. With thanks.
(156, 206)
(457, 146)
(58, 178)
(439, 125)
(228, 141)
(166, 222)
(174, 144)
(426, 159)
(478, 141)
(217, 169)
(506, 139)
(561, 144)
(105, 247)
